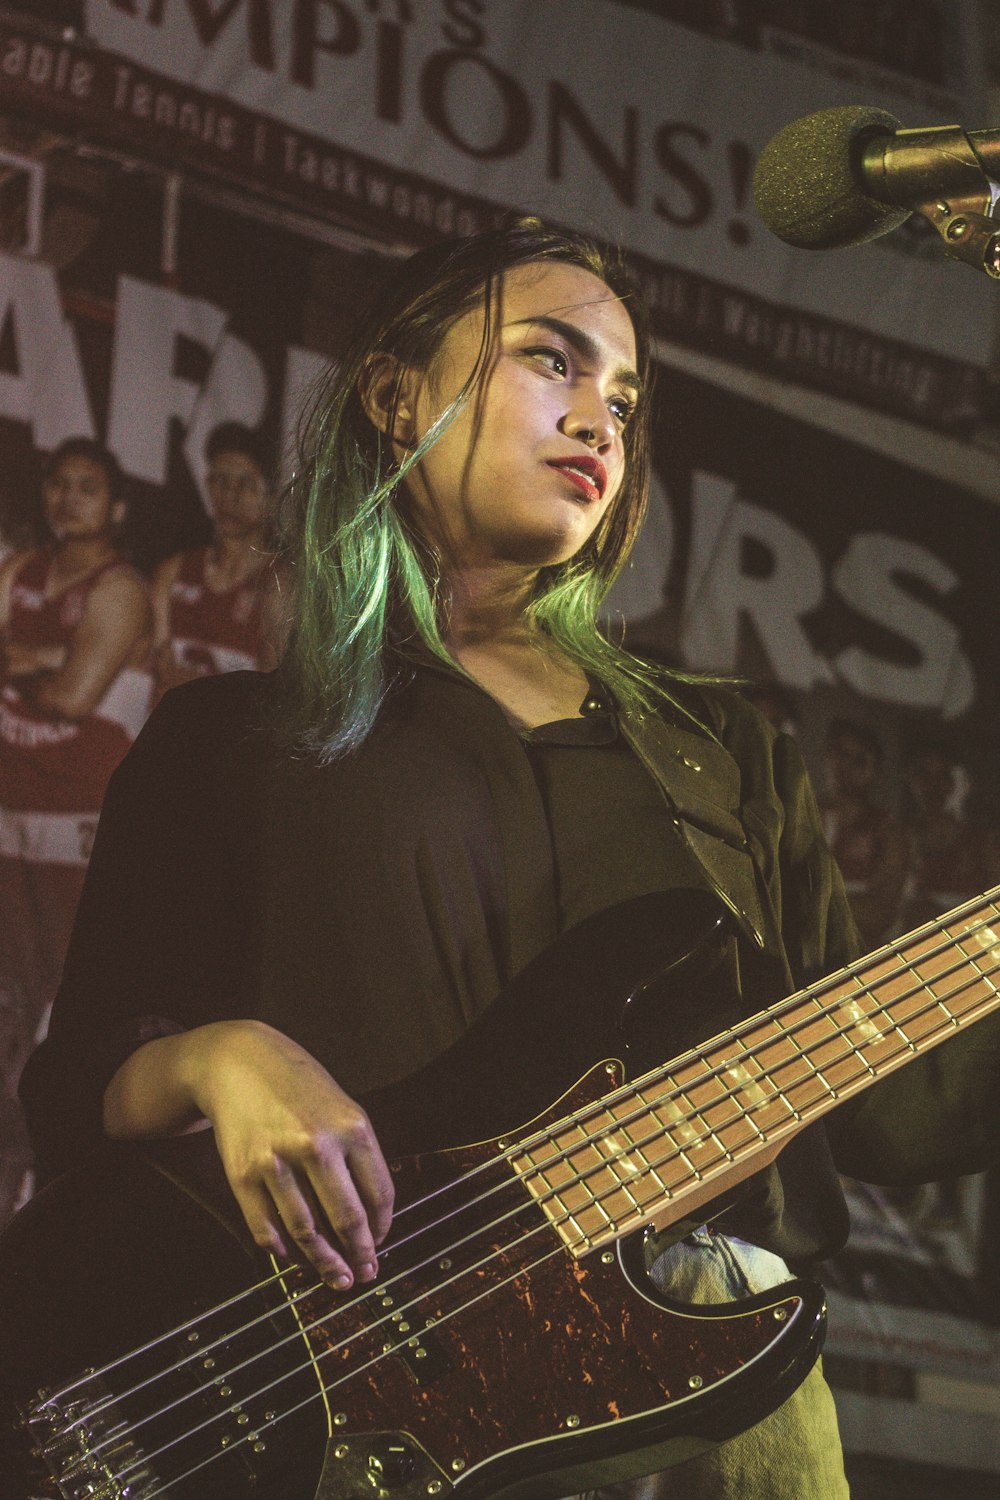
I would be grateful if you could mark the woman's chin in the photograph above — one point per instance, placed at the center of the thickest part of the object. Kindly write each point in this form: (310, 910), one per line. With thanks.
(549, 546)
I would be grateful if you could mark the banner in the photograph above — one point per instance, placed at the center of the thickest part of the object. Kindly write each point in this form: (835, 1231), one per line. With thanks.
(639, 125)
(773, 550)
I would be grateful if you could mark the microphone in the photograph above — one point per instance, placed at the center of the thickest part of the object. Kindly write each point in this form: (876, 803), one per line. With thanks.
(848, 175)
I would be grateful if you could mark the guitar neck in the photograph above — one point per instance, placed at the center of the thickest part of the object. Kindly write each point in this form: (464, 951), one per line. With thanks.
(655, 1150)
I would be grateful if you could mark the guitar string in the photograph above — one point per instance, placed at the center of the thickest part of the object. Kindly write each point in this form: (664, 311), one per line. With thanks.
(383, 1353)
(386, 1353)
(200, 1353)
(538, 1167)
(895, 949)
(616, 1187)
(308, 1400)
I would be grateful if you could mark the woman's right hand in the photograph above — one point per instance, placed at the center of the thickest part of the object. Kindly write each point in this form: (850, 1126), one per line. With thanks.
(300, 1156)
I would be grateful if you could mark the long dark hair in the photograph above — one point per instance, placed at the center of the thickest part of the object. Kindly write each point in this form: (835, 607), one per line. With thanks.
(365, 580)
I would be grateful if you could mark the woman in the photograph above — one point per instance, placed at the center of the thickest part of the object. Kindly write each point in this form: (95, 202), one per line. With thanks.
(215, 606)
(75, 628)
(455, 766)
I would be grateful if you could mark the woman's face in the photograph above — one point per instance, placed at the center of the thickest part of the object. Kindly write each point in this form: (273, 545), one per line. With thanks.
(238, 493)
(534, 459)
(78, 501)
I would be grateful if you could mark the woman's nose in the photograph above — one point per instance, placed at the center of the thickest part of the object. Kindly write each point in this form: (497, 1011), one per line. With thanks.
(590, 421)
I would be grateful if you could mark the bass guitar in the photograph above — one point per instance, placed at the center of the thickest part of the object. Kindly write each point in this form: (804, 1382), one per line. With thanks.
(513, 1347)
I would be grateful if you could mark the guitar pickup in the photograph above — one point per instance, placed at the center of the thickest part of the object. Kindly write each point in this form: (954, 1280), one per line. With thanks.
(424, 1357)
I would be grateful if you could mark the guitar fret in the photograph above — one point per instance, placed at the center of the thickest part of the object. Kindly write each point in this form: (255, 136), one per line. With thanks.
(683, 1130)
(898, 1009)
(664, 1191)
(773, 1050)
(579, 1235)
(693, 1123)
(692, 1169)
(791, 1070)
(927, 969)
(714, 1137)
(984, 941)
(648, 1167)
(707, 1096)
(867, 1027)
(630, 1195)
(919, 1020)
(603, 1181)
(828, 1086)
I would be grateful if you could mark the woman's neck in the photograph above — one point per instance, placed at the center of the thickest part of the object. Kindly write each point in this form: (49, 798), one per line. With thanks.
(489, 604)
(492, 635)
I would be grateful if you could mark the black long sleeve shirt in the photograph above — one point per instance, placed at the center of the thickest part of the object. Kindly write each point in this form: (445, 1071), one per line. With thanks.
(374, 907)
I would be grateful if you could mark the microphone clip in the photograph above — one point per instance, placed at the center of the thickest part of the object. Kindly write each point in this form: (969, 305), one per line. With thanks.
(938, 174)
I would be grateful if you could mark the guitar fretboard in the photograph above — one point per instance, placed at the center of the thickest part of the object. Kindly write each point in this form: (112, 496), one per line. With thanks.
(716, 1115)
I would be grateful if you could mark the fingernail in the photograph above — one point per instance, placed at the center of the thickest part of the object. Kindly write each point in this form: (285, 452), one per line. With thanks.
(368, 1271)
(343, 1281)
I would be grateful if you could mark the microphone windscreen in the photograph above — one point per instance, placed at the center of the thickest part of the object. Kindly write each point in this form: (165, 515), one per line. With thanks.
(808, 185)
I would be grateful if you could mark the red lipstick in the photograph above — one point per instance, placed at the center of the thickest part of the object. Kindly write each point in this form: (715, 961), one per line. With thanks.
(585, 471)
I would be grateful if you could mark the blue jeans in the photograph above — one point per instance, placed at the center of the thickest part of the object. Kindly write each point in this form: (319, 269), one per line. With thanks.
(793, 1454)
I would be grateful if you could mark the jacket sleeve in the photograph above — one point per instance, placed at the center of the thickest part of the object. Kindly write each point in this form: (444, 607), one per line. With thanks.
(162, 926)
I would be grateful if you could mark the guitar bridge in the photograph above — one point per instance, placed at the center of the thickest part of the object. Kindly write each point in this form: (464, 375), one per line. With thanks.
(81, 1444)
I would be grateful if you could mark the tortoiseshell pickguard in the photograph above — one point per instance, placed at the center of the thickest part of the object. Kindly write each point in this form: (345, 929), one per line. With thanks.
(483, 1334)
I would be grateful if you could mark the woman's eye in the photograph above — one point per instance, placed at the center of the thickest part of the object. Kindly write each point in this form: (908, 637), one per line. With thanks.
(553, 360)
(621, 409)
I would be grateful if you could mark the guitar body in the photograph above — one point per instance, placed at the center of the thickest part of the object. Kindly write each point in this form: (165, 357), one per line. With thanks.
(487, 1361)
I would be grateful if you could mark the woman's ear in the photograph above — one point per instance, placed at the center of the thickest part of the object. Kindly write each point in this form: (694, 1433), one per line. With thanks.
(387, 390)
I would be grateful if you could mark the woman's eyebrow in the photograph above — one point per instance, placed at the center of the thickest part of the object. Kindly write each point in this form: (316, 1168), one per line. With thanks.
(583, 343)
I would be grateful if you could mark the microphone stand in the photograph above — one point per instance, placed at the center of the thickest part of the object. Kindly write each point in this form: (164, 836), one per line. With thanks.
(948, 182)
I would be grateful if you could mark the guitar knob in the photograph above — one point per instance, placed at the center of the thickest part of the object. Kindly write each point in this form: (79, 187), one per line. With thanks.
(392, 1464)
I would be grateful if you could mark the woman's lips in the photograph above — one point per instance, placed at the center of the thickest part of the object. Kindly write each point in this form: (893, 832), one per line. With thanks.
(588, 475)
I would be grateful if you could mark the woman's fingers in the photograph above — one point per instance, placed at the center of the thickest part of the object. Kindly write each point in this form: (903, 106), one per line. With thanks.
(371, 1173)
(286, 1221)
(261, 1214)
(301, 1155)
(303, 1222)
(356, 1229)
(319, 1213)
